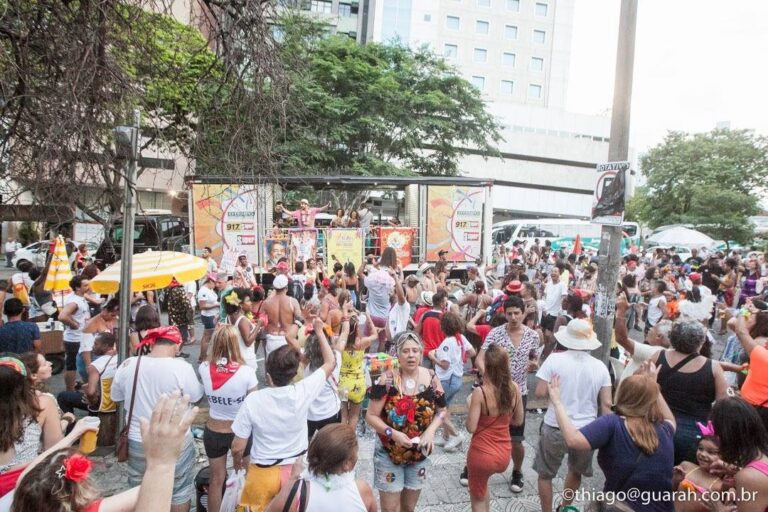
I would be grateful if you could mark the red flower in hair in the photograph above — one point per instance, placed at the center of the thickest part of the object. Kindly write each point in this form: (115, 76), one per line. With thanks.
(77, 468)
(405, 407)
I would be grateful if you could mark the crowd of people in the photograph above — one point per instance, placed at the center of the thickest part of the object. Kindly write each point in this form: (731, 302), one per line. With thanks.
(337, 343)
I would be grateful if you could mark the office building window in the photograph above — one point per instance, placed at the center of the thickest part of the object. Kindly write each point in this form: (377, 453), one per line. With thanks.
(479, 82)
(513, 5)
(481, 27)
(483, 3)
(345, 10)
(534, 91)
(537, 64)
(541, 9)
(508, 59)
(452, 23)
(480, 55)
(506, 87)
(510, 32)
(539, 36)
(320, 6)
(450, 51)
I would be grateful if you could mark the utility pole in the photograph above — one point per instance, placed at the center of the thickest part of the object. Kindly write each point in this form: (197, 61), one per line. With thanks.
(618, 150)
(127, 146)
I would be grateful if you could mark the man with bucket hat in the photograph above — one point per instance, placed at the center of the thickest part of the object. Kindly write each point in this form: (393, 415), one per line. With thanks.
(586, 387)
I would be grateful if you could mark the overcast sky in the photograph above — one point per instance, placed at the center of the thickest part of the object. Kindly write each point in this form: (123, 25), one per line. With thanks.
(697, 63)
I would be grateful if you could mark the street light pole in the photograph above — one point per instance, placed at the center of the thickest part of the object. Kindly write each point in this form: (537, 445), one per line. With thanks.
(618, 150)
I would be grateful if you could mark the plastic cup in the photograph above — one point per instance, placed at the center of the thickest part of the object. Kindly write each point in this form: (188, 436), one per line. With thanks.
(88, 440)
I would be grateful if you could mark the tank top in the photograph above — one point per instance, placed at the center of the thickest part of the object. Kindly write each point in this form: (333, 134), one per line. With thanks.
(248, 353)
(106, 365)
(28, 447)
(492, 433)
(691, 394)
(330, 493)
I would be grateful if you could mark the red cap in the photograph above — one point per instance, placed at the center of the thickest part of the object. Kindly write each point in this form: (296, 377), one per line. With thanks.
(695, 276)
(283, 266)
(514, 287)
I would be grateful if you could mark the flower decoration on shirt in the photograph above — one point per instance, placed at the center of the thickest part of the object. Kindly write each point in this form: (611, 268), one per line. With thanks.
(404, 410)
(232, 299)
(75, 468)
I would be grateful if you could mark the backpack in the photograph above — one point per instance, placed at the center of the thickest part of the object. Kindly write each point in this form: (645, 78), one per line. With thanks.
(494, 308)
(296, 289)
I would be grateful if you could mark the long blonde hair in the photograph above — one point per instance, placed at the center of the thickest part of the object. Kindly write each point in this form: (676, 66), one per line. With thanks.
(226, 344)
(637, 399)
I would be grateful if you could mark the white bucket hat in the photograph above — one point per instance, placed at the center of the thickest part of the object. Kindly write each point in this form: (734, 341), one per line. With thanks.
(426, 298)
(577, 335)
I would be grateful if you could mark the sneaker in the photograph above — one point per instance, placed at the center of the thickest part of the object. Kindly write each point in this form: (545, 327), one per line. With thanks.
(454, 442)
(440, 441)
(516, 482)
(463, 478)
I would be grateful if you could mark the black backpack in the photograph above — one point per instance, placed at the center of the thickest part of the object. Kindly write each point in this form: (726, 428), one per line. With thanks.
(296, 289)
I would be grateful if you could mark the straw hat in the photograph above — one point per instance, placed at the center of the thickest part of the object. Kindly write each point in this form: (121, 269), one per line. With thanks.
(577, 335)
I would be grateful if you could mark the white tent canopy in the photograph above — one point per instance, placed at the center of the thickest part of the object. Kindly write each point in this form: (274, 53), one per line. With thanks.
(680, 237)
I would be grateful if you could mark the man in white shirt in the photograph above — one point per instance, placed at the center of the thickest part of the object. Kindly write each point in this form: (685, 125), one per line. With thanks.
(554, 292)
(11, 246)
(208, 300)
(586, 387)
(656, 339)
(74, 316)
(366, 216)
(400, 312)
(159, 372)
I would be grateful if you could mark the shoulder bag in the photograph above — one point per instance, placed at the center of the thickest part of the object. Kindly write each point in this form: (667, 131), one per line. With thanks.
(121, 450)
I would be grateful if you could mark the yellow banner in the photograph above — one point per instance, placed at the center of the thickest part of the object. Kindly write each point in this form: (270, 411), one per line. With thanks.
(345, 245)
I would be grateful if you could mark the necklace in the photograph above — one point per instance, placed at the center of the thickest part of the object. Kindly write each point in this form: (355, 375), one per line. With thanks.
(409, 382)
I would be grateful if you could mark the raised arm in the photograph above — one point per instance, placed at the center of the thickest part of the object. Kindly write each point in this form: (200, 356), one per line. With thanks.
(739, 326)
(620, 326)
(329, 361)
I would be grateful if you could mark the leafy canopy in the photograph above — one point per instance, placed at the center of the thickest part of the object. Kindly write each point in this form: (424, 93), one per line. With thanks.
(712, 180)
(376, 108)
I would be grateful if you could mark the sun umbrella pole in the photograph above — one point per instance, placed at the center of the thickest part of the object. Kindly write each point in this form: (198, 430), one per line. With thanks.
(127, 138)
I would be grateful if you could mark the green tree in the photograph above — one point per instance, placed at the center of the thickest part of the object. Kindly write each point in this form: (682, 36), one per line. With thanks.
(376, 108)
(711, 180)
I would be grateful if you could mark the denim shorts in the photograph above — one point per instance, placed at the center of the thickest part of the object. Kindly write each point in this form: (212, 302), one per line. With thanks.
(451, 386)
(184, 474)
(209, 322)
(391, 477)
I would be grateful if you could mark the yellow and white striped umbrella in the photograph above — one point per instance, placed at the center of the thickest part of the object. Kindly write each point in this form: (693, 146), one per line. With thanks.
(59, 273)
(152, 270)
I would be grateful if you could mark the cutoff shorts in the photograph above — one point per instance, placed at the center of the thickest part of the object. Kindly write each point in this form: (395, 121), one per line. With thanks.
(184, 474)
(550, 453)
(391, 477)
(209, 322)
(451, 386)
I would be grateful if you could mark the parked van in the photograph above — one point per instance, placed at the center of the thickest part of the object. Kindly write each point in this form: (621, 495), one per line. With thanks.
(156, 232)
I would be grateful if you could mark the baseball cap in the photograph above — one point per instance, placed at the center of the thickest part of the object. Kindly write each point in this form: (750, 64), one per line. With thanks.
(280, 282)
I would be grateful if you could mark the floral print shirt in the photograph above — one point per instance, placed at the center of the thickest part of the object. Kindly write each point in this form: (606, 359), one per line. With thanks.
(518, 356)
(409, 414)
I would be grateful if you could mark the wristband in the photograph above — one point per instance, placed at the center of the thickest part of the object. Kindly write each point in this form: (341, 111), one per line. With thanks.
(388, 432)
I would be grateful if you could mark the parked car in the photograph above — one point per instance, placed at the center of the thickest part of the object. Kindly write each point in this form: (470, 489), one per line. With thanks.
(37, 252)
(157, 232)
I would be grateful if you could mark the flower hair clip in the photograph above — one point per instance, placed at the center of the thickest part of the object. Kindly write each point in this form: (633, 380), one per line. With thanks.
(232, 299)
(707, 430)
(75, 468)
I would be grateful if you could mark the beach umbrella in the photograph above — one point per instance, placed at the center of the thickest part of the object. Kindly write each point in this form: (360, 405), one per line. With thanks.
(152, 270)
(59, 273)
(679, 236)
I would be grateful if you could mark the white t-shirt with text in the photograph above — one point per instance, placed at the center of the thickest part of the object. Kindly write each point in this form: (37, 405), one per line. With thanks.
(225, 402)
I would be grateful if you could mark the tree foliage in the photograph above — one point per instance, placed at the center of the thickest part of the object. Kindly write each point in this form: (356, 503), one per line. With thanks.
(71, 71)
(376, 109)
(712, 180)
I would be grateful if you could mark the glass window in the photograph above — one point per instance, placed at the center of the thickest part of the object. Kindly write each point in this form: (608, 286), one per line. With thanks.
(450, 51)
(537, 64)
(478, 82)
(345, 10)
(513, 5)
(541, 9)
(534, 91)
(481, 27)
(510, 32)
(506, 87)
(320, 6)
(539, 36)
(484, 3)
(452, 23)
(480, 55)
(508, 59)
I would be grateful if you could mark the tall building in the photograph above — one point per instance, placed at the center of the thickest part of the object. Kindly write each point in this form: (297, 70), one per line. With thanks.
(517, 53)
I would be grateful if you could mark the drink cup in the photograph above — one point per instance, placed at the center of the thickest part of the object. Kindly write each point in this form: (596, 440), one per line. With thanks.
(88, 440)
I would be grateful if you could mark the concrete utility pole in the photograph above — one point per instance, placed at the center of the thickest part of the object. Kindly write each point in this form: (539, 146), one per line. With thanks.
(618, 150)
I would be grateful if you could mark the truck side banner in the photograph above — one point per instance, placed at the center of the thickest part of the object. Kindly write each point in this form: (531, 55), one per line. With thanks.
(303, 244)
(401, 240)
(455, 222)
(225, 221)
(345, 245)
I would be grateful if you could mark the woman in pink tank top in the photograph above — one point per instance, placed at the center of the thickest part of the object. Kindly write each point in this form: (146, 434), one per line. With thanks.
(744, 451)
